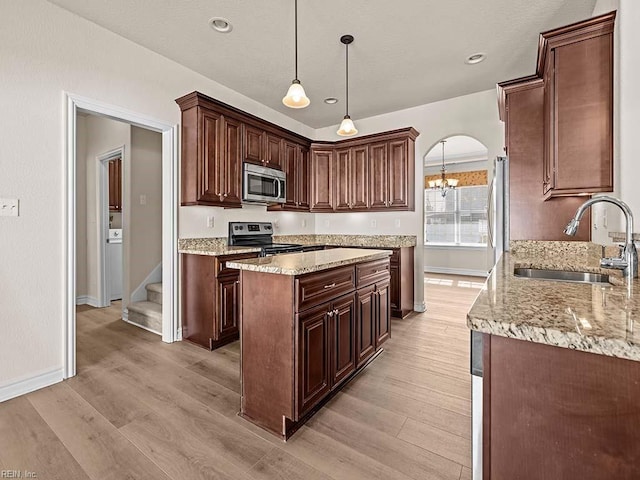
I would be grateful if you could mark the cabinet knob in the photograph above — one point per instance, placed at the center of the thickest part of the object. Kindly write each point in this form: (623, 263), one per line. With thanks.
(225, 195)
(336, 312)
(330, 314)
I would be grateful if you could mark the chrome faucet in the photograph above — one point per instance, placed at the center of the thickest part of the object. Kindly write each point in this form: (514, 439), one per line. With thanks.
(628, 261)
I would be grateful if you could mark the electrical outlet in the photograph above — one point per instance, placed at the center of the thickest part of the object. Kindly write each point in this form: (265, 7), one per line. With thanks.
(210, 222)
(304, 223)
(9, 207)
(143, 199)
(374, 223)
(397, 222)
(327, 223)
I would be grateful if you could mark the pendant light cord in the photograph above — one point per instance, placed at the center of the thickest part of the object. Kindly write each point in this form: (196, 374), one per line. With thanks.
(296, 35)
(347, 77)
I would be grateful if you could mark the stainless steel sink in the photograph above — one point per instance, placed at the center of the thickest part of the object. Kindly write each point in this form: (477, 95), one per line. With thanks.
(561, 275)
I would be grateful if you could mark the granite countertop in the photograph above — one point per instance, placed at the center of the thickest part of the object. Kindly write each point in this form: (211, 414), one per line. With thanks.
(307, 262)
(592, 318)
(215, 246)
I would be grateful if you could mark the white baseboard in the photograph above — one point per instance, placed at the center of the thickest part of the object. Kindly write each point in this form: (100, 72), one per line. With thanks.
(125, 314)
(87, 300)
(30, 384)
(420, 307)
(457, 271)
(131, 322)
(140, 293)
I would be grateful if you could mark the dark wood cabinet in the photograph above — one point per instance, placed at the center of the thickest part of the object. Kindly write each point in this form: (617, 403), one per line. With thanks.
(342, 321)
(210, 300)
(383, 313)
(115, 185)
(322, 179)
(366, 324)
(372, 173)
(295, 163)
(578, 78)
(539, 397)
(216, 140)
(298, 351)
(315, 381)
(352, 175)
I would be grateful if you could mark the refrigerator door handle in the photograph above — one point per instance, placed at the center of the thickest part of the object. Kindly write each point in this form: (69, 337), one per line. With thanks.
(490, 212)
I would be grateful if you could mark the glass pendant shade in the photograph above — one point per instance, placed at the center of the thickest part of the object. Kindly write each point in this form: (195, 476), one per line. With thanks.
(347, 128)
(296, 97)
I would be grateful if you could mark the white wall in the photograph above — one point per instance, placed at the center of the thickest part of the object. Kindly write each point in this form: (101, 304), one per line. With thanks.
(102, 136)
(81, 207)
(45, 52)
(142, 222)
(475, 115)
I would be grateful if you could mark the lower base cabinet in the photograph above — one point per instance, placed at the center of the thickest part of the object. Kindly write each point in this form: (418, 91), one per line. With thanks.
(210, 299)
(331, 335)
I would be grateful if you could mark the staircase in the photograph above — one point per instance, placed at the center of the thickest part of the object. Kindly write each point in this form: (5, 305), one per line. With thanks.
(148, 314)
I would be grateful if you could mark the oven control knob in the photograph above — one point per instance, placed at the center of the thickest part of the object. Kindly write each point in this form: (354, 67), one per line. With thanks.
(268, 227)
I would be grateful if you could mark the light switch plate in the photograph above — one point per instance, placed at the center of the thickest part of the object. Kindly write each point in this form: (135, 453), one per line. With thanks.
(143, 199)
(9, 207)
(210, 222)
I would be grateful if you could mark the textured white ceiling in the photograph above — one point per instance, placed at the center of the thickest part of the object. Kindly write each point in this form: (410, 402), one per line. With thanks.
(405, 53)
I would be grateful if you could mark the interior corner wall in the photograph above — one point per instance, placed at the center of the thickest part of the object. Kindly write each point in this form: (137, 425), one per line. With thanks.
(475, 115)
(47, 51)
(143, 217)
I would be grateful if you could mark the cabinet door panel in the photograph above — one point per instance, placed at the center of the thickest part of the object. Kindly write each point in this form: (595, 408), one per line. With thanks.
(343, 338)
(398, 174)
(365, 324)
(231, 162)
(359, 178)
(274, 151)
(209, 189)
(313, 357)
(322, 173)
(343, 180)
(303, 178)
(394, 287)
(290, 167)
(383, 314)
(228, 306)
(253, 144)
(583, 118)
(378, 175)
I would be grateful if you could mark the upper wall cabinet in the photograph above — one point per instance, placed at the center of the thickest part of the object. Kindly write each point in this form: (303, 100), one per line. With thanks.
(576, 64)
(372, 173)
(217, 139)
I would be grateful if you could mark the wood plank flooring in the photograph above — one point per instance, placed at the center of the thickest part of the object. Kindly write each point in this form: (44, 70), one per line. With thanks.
(142, 409)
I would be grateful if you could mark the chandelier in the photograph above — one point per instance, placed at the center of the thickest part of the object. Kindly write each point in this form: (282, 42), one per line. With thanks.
(443, 183)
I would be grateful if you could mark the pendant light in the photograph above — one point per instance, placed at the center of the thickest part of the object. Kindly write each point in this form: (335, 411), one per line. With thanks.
(296, 97)
(347, 128)
(443, 184)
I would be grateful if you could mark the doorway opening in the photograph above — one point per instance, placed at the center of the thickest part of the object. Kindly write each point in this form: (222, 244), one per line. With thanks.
(164, 200)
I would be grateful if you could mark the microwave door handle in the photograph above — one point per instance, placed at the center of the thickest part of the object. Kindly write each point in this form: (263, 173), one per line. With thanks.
(279, 185)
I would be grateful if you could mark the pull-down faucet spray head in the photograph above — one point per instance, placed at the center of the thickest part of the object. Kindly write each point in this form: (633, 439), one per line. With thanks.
(572, 227)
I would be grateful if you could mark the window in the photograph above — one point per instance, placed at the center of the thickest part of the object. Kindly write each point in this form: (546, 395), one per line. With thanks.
(460, 218)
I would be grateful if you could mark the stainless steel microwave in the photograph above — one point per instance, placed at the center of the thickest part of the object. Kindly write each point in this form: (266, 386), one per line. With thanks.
(263, 185)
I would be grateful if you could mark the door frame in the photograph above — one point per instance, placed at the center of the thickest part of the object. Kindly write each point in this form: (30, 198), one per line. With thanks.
(103, 227)
(170, 162)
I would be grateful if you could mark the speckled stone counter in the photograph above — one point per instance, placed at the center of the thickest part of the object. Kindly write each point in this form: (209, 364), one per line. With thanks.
(214, 246)
(371, 241)
(307, 262)
(592, 318)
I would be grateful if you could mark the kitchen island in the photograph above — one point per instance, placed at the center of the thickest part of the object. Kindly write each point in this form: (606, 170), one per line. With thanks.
(309, 322)
(561, 380)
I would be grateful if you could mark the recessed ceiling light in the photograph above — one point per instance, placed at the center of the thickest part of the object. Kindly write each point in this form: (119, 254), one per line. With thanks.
(220, 24)
(475, 58)
(331, 100)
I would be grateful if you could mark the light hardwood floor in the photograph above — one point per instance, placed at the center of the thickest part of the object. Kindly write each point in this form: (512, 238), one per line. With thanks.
(141, 409)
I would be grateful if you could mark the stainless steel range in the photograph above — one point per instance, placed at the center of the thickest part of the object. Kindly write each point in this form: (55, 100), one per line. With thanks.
(258, 234)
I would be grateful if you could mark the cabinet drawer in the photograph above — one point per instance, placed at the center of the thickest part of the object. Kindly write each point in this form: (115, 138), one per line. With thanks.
(221, 262)
(371, 272)
(315, 288)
